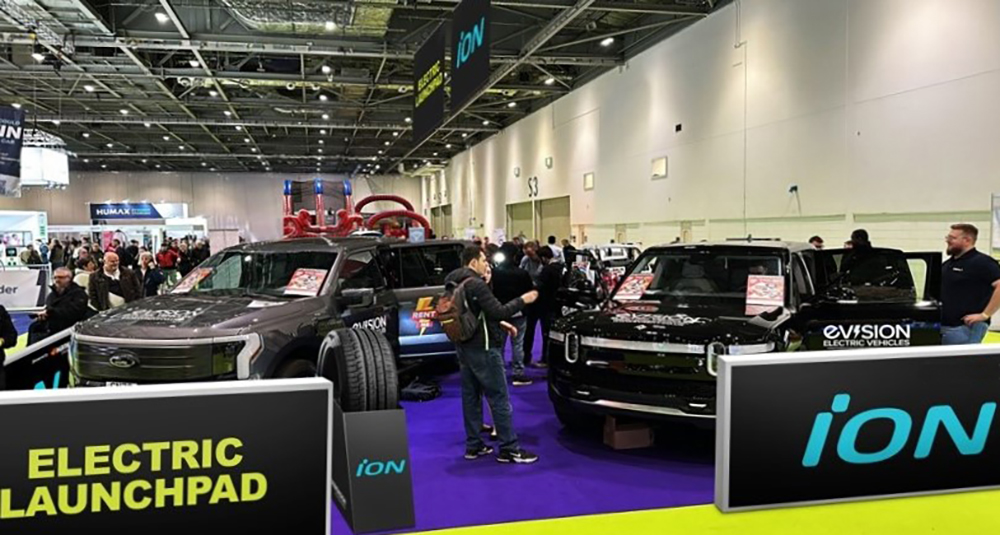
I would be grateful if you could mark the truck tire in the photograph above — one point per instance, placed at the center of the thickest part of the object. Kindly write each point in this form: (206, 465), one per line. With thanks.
(362, 366)
(295, 369)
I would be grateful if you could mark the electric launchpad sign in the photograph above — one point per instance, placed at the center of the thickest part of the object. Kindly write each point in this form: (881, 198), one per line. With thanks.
(210, 460)
(428, 102)
(470, 50)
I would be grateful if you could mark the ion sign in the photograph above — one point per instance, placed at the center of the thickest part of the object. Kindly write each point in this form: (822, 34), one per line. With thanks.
(470, 50)
(850, 425)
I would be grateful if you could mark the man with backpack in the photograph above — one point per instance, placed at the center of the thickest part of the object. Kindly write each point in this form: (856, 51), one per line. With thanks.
(475, 320)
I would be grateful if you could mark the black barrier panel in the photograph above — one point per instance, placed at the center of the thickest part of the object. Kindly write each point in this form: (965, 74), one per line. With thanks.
(43, 365)
(470, 50)
(372, 485)
(428, 86)
(857, 424)
(213, 458)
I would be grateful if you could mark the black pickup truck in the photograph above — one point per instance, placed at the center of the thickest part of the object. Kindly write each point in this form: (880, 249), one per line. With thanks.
(355, 310)
(650, 351)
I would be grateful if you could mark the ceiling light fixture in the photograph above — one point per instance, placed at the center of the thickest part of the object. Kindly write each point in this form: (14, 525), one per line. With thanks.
(86, 134)
(181, 147)
(387, 143)
(194, 64)
(17, 105)
(246, 140)
(448, 146)
(326, 69)
(86, 161)
(330, 25)
(147, 125)
(213, 93)
(166, 138)
(157, 166)
(322, 132)
(203, 164)
(39, 57)
(486, 123)
(123, 111)
(326, 116)
(88, 88)
(395, 134)
(239, 127)
(512, 104)
(323, 98)
(550, 80)
(465, 135)
(253, 149)
(144, 160)
(321, 142)
(57, 122)
(162, 18)
(408, 120)
(228, 113)
(110, 145)
(608, 41)
(381, 151)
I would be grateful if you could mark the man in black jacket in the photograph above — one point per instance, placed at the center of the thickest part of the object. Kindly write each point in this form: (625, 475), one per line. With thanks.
(509, 283)
(549, 281)
(8, 339)
(150, 275)
(113, 286)
(65, 306)
(482, 362)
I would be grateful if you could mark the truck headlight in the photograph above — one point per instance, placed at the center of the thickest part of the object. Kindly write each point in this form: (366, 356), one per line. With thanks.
(224, 356)
(572, 348)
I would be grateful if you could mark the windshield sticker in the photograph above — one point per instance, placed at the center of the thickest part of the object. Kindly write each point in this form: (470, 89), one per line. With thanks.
(634, 286)
(306, 282)
(676, 320)
(192, 280)
(764, 293)
(158, 316)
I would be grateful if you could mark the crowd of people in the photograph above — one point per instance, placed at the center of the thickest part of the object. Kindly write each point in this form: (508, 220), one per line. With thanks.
(88, 278)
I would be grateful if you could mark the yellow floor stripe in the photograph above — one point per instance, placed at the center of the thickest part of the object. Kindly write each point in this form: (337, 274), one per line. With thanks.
(954, 514)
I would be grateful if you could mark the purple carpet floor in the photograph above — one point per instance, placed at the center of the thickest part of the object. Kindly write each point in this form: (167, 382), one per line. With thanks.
(576, 475)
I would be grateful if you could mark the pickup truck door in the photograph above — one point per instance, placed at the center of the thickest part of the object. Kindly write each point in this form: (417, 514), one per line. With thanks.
(416, 275)
(362, 296)
(872, 298)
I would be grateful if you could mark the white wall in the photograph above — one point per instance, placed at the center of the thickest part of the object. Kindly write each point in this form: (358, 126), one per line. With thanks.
(885, 113)
(249, 202)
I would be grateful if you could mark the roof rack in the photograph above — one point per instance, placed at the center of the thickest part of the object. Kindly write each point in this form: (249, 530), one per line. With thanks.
(751, 238)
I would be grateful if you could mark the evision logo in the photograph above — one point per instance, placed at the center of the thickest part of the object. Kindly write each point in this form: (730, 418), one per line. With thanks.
(902, 425)
(379, 468)
(469, 42)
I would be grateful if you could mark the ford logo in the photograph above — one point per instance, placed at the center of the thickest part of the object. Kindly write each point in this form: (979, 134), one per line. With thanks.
(124, 361)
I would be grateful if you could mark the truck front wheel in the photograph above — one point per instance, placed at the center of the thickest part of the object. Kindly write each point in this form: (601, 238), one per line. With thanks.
(362, 366)
(295, 369)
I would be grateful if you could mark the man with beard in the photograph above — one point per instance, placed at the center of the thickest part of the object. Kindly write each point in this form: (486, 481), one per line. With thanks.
(970, 288)
(64, 307)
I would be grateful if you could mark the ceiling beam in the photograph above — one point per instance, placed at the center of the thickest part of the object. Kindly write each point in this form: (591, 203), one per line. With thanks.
(244, 123)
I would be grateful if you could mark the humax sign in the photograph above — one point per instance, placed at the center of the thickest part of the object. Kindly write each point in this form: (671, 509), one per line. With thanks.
(831, 426)
(137, 210)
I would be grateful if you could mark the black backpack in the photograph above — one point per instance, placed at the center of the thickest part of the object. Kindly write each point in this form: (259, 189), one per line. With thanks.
(457, 321)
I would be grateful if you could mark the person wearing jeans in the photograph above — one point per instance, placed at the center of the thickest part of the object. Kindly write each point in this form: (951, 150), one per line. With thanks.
(481, 361)
(970, 288)
(509, 282)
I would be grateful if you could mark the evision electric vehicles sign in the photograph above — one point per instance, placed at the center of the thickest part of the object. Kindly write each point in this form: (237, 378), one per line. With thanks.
(807, 428)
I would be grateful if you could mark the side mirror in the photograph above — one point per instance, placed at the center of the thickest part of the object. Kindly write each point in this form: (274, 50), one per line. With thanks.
(357, 297)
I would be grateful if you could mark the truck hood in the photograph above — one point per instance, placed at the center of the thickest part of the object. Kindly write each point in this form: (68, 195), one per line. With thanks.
(167, 317)
(655, 322)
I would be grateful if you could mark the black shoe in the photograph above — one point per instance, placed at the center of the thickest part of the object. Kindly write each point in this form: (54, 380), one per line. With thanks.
(487, 429)
(493, 434)
(517, 457)
(521, 380)
(472, 455)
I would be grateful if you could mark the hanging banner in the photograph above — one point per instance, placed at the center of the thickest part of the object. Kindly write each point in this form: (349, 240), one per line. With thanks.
(428, 86)
(137, 210)
(23, 289)
(11, 138)
(470, 50)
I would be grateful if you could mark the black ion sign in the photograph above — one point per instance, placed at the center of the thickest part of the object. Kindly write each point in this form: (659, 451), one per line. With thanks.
(848, 425)
(470, 50)
(428, 87)
(248, 457)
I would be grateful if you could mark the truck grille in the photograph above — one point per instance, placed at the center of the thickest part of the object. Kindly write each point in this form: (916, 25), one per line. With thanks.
(142, 364)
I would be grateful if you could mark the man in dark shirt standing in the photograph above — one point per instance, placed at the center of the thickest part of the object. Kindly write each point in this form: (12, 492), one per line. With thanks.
(482, 363)
(509, 283)
(970, 288)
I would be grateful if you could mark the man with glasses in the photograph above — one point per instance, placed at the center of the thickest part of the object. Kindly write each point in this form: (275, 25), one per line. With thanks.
(970, 288)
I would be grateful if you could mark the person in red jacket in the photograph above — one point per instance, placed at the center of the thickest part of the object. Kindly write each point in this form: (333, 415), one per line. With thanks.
(167, 259)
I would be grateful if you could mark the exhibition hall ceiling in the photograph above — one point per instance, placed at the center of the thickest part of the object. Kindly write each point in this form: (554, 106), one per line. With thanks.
(292, 85)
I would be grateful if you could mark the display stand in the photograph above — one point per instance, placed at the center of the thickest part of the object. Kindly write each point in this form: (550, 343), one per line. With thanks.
(372, 485)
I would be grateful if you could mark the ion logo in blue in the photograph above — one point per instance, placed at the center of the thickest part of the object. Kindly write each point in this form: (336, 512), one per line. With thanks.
(902, 425)
(378, 468)
(469, 42)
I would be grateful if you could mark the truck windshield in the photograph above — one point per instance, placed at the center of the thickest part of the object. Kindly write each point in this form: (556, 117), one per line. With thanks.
(708, 277)
(279, 274)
